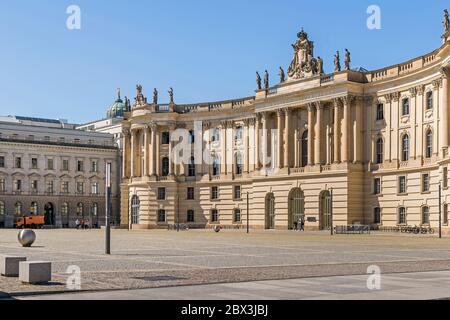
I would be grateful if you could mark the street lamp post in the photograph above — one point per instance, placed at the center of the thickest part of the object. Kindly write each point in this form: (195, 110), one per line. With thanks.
(107, 209)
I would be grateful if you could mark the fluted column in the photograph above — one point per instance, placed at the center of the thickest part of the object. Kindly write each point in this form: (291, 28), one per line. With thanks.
(310, 134)
(146, 156)
(223, 140)
(287, 131)
(257, 142)
(125, 152)
(153, 152)
(246, 145)
(358, 134)
(337, 131)
(133, 153)
(443, 103)
(345, 130)
(264, 142)
(318, 133)
(279, 140)
(157, 151)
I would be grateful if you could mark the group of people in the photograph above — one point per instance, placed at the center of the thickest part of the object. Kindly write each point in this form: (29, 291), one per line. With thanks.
(82, 223)
(299, 225)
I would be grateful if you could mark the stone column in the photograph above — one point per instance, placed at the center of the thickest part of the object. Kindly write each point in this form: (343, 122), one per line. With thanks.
(153, 152)
(337, 131)
(388, 116)
(246, 145)
(443, 103)
(310, 134)
(257, 142)
(345, 130)
(287, 132)
(171, 159)
(357, 138)
(318, 133)
(146, 155)
(279, 140)
(125, 152)
(133, 153)
(264, 142)
(223, 140)
(157, 151)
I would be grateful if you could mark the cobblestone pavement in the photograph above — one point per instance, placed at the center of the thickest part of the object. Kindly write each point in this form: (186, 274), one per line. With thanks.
(149, 259)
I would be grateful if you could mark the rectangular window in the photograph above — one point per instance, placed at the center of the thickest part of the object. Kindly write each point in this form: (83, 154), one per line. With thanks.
(238, 134)
(445, 214)
(402, 185)
(18, 185)
(161, 215)
(65, 187)
(377, 215)
(214, 193)
(190, 193)
(34, 186)
(190, 216)
(18, 162)
(94, 166)
(80, 187)
(214, 216)
(50, 185)
(165, 138)
(380, 112)
(65, 165)
(425, 182)
(215, 135)
(50, 165)
(429, 100)
(237, 215)
(402, 215)
(94, 188)
(80, 165)
(34, 163)
(2, 185)
(405, 107)
(445, 178)
(161, 193)
(237, 192)
(377, 186)
(2, 161)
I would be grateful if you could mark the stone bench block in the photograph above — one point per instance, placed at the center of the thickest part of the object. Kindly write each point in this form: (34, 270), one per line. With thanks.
(9, 265)
(35, 272)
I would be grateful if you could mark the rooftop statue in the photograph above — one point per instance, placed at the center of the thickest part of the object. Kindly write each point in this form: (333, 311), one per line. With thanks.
(155, 96)
(303, 63)
(337, 62)
(320, 65)
(140, 99)
(282, 75)
(266, 80)
(171, 94)
(258, 81)
(446, 21)
(347, 59)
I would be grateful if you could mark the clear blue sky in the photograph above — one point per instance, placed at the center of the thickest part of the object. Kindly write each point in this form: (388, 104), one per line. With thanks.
(206, 49)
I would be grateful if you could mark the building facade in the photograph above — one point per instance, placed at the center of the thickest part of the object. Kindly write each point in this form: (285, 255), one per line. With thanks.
(49, 168)
(377, 141)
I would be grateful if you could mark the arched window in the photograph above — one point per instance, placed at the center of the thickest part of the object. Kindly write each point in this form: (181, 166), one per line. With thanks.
(239, 163)
(405, 148)
(425, 215)
(34, 209)
(216, 167)
(94, 209)
(18, 208)
(165, 167)
(305, 149)
(405, 107)
(80, 209)
(2, 208)
(191, 167)
(377, 215)
(380, 147)
(135, 208)
(429, 144)
(402, 215)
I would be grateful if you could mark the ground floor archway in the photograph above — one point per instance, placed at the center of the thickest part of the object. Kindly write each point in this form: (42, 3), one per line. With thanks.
(49, 214)
(270, 211)
(296, 208)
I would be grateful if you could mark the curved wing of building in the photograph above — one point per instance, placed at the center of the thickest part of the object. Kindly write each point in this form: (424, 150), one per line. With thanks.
(376, 140)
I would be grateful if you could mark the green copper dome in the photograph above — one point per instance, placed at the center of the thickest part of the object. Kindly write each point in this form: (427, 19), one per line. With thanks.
(117, 109)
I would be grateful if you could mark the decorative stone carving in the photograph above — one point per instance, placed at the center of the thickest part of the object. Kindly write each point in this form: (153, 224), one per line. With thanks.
(139, 99)
(436, 84)
(445, 71)
(395, 96)
(420, 90)
(388, 98)
(413, 91)
(303, 63)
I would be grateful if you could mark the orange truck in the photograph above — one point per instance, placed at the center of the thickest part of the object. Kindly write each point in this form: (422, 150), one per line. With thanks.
(31, 222)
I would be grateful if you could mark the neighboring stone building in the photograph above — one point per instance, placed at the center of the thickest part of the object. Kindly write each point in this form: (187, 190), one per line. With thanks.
(49, 168)
(377, 139)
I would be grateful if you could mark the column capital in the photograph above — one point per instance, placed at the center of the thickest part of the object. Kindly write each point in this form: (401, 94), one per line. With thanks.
(437, 83)
(126, 132)
(388, 98)
(395, 96)
(311, 107)
(348, 99)
(420, 90)
(445, 71)
(413, 91)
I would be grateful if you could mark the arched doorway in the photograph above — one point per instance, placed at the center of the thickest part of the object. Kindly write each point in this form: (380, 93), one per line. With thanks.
(49, 214)
(296, 207)
(270, 211)
(325, 210)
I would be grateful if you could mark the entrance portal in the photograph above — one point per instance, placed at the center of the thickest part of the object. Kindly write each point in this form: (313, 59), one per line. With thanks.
(49, 214)
(296, 208)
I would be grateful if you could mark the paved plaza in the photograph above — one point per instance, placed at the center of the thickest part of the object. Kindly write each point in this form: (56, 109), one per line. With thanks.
(232, 264)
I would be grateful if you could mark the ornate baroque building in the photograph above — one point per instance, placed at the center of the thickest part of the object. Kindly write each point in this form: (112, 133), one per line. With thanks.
(377, 140)
(49, 168)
